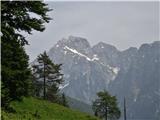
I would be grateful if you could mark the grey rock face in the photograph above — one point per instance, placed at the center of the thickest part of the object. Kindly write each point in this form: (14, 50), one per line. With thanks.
(133, 73)
(140, 84)
(83, 70)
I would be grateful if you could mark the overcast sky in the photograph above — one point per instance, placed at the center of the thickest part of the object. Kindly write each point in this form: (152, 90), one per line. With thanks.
(122, 24)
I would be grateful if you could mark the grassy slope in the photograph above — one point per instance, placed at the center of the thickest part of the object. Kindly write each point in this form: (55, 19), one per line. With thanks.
(79, 105)
(34, 109)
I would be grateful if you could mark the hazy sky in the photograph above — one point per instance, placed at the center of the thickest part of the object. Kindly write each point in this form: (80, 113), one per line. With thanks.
(122, 24)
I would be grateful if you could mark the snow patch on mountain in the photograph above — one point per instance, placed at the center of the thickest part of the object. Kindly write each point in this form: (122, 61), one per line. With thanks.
(80, 54)
(115, 70)
(65, 52)
(95, 57)
(76, 52)
(63, 86)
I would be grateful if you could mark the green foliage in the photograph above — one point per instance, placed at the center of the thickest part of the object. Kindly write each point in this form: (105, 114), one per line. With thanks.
(15, 72)
(5, 96)
(34, 109)
(52, 93)
(17, 16)
(50, 73)
(64, 101)
(105, 106)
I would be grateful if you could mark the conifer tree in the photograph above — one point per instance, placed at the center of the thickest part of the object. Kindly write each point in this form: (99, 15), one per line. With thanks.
(48, 72)
(4, 96)
(105, 106)
(17, 16)
(15, 72)
(64, 100)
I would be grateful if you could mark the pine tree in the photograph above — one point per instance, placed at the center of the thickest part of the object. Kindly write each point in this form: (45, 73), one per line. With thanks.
(15, 18)
(106, 106)
(5, 97)
(52, 93)
(15, 72)
(64, 100)
(50, 74)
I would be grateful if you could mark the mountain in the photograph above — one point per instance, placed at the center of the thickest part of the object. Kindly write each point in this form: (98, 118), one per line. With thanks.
(79, 105)
(133, 73)
(141, 83)
(84, 73)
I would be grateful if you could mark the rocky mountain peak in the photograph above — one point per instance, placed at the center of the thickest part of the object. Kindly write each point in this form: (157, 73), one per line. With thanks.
(102, 45)
(156, 44)
(77, 43)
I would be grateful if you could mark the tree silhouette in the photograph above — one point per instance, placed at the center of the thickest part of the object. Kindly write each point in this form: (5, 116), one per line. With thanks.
(105, 106)
(49, 73)
(17, 17)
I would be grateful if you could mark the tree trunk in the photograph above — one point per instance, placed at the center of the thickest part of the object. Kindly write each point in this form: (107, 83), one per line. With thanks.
(44, 83)
(96, 114)
(125, 117)
(106, 114)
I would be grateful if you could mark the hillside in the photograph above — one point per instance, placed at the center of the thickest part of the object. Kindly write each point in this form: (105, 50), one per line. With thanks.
(79, 105)
(34, 109)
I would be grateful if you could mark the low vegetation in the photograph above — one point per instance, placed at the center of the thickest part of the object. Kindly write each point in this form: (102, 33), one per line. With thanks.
(35, 109)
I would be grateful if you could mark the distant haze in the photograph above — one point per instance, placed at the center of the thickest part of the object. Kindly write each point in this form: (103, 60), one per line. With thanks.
(122, 24)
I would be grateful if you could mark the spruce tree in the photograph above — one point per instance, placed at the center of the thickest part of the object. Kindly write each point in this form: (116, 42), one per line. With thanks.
(15, 71)
(16, 16)
(64, 100)
(105, 106)
(48, 75)
(5, 96)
